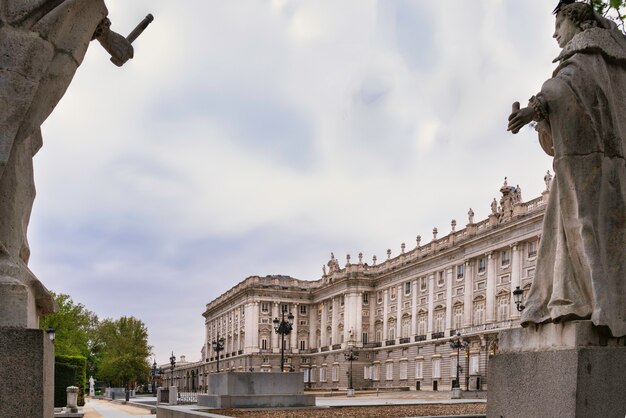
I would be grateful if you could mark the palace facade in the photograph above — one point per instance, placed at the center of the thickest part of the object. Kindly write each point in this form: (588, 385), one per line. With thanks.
(397, 315)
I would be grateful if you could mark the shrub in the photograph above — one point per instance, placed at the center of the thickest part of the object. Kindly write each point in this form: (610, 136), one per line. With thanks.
(69, 371)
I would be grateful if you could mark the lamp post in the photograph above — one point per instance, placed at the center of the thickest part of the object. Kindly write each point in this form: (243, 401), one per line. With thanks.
(154, 374)
(457, 343)
(283, 328)
(51, 334)
(173, 364)
(350, 356)
(218, 345)
(517, 298)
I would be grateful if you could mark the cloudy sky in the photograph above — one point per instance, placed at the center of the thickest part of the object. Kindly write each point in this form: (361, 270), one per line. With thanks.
(255, 137)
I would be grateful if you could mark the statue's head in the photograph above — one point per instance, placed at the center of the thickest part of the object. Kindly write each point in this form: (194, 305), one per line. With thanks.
(572, 18)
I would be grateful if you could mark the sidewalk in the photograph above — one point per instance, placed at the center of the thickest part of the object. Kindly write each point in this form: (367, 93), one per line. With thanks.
(96, 408)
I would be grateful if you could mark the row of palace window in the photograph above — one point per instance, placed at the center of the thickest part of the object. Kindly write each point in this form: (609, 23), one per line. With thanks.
(373, 371)
(438, 326)
(265, 308)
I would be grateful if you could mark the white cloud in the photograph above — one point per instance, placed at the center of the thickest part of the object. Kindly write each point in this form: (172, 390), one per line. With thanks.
(257, 137)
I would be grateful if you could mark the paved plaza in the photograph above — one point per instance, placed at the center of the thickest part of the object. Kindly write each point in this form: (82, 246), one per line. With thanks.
(95, 408)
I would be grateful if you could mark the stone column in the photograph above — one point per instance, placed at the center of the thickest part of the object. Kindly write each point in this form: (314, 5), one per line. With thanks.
(335, 321)
(414, 308)
(490, 306)
(373, 304)
(347, 317)
(324, 325)
(359, 319)
(313, 326)
(248, 323)
(255, 327)
(468, 293)
(275, 339)
(515, 278)
(385, 313)
(431, 303)
(399, 312)
(294, 331)
(449, 279)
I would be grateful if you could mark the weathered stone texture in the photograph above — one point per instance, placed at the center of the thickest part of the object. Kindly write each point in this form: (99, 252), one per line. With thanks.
(27, 365)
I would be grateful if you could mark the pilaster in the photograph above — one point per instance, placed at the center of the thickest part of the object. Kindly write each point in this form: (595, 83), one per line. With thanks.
(491, 288)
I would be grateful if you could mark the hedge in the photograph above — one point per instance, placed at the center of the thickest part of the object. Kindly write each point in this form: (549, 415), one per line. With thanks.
(69, 371)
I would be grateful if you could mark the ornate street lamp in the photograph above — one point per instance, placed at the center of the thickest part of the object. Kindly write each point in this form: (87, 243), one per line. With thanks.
(51, 334)
(457, 343)
(218, 345)
(517, 298)
(350, 356)
(173, 363)
(283, 328)
(154, 374)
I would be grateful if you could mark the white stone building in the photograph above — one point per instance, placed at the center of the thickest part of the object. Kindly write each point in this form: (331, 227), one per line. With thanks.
(399, 314)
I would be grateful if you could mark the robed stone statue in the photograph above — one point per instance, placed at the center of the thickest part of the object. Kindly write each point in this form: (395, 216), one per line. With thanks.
(581, 121)
(42, 43)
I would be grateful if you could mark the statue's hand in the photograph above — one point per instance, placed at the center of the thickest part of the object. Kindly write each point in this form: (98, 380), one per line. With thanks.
(120, 49)
(519, 118)
(115, 44)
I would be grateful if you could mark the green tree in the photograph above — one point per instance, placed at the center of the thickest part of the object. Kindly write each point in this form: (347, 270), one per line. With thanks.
(612, 9)
(74, 326)
(124, 355)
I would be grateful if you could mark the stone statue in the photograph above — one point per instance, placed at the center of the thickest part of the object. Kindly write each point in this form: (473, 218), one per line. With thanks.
(42, 42)
(494, 207)
(548, 180)
(470, 216)
(581, 265)
(517, 194)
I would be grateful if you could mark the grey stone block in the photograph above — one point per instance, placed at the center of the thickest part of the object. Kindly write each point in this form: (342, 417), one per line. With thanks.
(27, 367)
(579, 382)
(255, 390)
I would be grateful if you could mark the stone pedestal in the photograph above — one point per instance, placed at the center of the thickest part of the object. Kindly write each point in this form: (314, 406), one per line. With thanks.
(27, 373)
(457, 393)
(350, 393)
(557, 370)
(72, 399)
(255, 390)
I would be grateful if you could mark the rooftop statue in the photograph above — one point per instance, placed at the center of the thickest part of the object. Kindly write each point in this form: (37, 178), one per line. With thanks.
(581, 121)
(42, 43)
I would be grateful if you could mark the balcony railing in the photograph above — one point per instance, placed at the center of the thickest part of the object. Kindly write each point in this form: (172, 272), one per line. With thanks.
(438, 335)
(390, 342)
(336, 346)
(405, 340)
(187, 398)
(420, 338)
(325, 348)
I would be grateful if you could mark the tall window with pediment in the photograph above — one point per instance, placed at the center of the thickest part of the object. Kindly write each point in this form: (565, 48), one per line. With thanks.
(457, 317)
(421, 324)
(479, 312)
(406, 327)
(440, 320)
(503, 308)
(392, 331)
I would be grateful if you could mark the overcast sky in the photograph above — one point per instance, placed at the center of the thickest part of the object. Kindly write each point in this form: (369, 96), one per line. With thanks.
(255, 137)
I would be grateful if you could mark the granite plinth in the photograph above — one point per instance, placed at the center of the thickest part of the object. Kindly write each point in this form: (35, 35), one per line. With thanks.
(255, 390)
(27, 365)
(557, 370)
